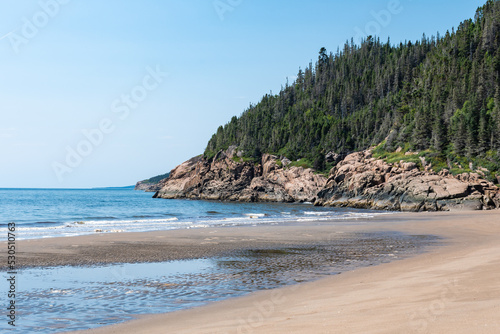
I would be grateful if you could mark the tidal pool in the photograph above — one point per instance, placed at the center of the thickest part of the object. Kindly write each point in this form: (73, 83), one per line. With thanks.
(57, 299)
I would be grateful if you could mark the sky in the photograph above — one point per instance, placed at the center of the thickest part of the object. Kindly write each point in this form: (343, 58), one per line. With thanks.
(107, 93)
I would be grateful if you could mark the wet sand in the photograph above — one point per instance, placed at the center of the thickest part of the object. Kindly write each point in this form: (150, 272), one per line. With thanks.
(170, 245)
(454, 288)
(83, 297)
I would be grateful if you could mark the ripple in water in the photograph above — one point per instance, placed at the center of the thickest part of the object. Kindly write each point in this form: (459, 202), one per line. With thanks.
(61, 299)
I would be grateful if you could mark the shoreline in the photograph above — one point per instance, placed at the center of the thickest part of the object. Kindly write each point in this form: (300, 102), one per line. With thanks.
(464, 264)
(452, 288)
(178, 244)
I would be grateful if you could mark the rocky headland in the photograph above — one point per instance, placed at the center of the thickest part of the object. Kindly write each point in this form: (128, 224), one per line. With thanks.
(153, 184)
(148, 187)
(228, 177)
(358, 180)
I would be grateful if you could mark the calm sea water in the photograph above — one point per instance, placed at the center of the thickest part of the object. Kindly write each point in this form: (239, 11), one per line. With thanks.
(45, 213)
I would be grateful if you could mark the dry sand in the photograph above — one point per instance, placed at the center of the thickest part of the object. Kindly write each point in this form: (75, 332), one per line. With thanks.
(454, 288)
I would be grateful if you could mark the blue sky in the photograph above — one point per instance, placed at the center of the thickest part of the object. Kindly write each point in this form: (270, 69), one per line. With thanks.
(106, 93)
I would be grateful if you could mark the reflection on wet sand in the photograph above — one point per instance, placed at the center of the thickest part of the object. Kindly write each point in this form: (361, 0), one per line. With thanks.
(71, 298)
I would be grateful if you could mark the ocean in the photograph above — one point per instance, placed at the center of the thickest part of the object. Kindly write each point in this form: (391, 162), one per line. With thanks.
(48, 213)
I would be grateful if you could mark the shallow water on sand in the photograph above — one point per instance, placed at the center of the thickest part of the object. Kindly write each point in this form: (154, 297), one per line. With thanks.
(52, 300)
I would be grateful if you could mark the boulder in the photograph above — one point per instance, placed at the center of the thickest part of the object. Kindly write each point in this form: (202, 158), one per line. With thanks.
(332, 157)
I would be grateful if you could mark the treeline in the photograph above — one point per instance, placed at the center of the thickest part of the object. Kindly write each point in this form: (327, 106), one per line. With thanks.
(440, 93)
(156, 179)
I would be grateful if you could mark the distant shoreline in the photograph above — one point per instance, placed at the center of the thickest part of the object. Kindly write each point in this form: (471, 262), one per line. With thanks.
(111, 188)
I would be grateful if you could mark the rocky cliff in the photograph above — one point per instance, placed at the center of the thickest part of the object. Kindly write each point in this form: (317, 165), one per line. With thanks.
(358, 180)
(361, 181)
(227, 177)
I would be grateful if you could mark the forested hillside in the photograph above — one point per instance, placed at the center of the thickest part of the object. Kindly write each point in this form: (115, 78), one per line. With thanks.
(440, 95)
(156, 179)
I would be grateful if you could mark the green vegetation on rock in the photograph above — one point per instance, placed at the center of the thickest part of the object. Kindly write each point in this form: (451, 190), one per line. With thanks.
(156, 179)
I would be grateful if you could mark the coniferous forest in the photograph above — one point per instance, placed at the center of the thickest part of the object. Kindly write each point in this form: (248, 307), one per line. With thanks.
(440, 94)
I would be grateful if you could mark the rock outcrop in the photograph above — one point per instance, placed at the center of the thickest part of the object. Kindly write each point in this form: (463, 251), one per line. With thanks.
(227, 177)
(361, 181)
(358, 180)
(147, 187)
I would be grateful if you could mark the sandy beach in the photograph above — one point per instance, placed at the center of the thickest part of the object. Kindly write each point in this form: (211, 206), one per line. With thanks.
(452, 288)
